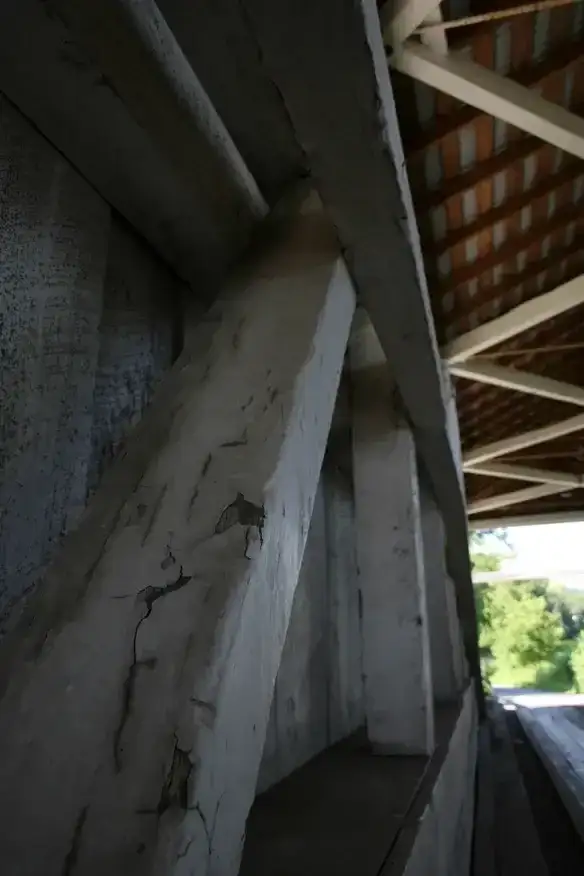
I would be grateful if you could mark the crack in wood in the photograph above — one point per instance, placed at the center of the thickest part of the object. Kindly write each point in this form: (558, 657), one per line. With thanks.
(169, 559)
(239, 443)
(209, 833)
(195, 493)
(185, 851)
(149, 595)
(175, 791)
(72, 855)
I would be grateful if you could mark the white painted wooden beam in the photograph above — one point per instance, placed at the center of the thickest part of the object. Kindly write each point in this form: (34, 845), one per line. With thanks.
(524, 473)
(494, 94)
(436, 37)
(401, 18)
(444, 641)
(515, 497)
(520, 381)
(341, 105)
(476, 524)
(108, 85)
(138, 687)
(526, 439)
(520, 319)
(390, 551)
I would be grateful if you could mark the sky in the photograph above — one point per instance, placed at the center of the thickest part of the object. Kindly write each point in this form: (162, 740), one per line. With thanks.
(554, 550)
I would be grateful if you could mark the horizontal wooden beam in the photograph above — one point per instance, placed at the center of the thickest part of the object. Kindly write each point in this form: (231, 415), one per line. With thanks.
(525, 439)
(463, 37)
(514, 245)
(531, 75)
(519, 381)
(562, 264)
(108, 85)
(509, 208)
(478, 523)
(525, 473)
(517, 320)
(515, 497)
(493, 94)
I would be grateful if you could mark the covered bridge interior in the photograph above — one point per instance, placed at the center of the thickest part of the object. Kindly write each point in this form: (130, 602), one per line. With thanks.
(491, 118)
(253, 256)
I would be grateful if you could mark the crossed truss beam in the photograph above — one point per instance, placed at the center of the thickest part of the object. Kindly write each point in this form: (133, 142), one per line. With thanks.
(459, 355)
(519, 381)
(521, 318)
(516, 497)
(485, 91)
(492, 93)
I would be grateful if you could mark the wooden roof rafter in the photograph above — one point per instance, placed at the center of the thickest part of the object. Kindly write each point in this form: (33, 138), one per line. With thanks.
(567, 175)
(550, 243)
(559, 60)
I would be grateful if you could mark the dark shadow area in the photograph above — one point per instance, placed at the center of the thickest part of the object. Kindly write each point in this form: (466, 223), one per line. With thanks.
(339, 814)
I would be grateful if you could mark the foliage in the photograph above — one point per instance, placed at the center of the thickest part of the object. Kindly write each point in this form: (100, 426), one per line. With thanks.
(486, 562)
(577, 662)
(531, 633)
(519, 637)
(526, 631)
(569, 604)
(557, 675)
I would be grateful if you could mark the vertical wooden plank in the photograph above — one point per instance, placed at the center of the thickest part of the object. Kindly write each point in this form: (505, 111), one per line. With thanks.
(53, 240)
(138, 340)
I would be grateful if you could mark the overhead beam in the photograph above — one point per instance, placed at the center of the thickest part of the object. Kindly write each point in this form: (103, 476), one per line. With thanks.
(516, 497)
(341, 106)
(520, 381)
(400, 19)
(526, 439)
(108, 85)
(493, 94)
(523, 317)
(559, 60)
(476, 524)
(525, 473)
(462, 37)
(562, 264)
(511, 207)
(514, 245)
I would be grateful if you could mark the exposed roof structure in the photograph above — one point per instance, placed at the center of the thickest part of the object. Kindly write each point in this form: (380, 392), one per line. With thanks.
(491, 117)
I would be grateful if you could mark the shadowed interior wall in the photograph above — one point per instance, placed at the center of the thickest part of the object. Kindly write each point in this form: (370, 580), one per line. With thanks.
(318, 695)
(88, 323)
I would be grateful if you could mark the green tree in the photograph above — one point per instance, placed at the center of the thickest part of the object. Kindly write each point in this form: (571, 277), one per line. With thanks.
(570, 604)
(519, 635)
(577, 661)
(485, 562)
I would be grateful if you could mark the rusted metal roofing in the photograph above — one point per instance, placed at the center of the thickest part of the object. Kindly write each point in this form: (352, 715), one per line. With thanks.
(501, 221)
